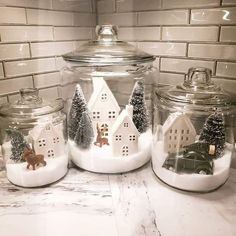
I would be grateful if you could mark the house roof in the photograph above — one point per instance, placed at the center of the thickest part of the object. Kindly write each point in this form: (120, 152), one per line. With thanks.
(99, 84)
(119, 122)
(173, 118)
(36, 132)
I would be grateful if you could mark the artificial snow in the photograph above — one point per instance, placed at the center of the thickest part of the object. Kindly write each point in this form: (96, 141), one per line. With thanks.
(101, 159)
(191, 182)
(55, 169)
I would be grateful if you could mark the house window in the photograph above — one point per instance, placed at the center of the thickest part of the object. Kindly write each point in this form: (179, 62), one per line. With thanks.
(182, 131)
(42, 142)
(50, 153)
(118, 137)
(125, 151)
(103, 97)
(104, 129)
(132, 138)
(186, 138)
(187, 131)
(126, 124)
(171, 131)
(96, 114)
(56, 140)
(111, 114)
(176, 131)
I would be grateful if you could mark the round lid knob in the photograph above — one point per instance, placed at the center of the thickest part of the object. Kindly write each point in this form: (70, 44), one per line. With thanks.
(199, 78)
(29, 96)
(106, 32)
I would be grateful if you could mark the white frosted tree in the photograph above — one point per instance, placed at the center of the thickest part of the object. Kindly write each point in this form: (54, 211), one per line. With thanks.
(213, 132)
(78, 106)
(137, 100)
(84, 135)
(18, 144)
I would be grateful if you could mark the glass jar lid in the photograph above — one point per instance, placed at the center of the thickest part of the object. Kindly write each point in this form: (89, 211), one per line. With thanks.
(198, 89)
(108, 50)
(30, 105)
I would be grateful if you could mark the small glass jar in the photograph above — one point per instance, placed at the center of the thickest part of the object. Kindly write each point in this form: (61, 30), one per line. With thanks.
(33, 140)
(107, 86)
(192, 133)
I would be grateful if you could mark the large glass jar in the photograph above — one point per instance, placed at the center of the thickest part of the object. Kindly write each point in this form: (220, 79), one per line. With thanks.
(192, 133)
(33, 140)
(107, 86)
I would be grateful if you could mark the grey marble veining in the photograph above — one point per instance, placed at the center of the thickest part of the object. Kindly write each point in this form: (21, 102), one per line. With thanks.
(132, 204)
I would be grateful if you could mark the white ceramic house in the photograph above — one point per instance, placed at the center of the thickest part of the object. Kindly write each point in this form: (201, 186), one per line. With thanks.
(48, 140)
(178, 131)
(125, 134)
(103, 106)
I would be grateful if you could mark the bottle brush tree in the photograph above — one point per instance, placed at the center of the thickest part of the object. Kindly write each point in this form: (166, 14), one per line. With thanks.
(77, 107)
(84, 135)
(18, 144)
(213, 132)
(137, 100)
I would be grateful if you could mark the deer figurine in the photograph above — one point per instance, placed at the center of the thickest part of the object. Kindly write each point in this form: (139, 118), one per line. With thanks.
(32, 159)
(100, 141)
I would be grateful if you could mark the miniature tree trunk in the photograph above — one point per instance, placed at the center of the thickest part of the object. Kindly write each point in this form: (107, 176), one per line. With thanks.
(77, 107)
(18, 144)
(213, 132)
(137, 100)
(84, 135)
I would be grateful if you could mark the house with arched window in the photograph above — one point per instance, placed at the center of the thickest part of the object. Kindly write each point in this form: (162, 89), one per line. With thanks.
(178, 131)
(125, 134)
(103, 106)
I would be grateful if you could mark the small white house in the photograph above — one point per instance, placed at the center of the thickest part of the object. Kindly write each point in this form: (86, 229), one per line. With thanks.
(48, 140)
(103, 106)
(178, 131)
(125, 134)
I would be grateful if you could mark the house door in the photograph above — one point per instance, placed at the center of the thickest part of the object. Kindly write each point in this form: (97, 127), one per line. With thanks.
(125, 151)
(104, 129)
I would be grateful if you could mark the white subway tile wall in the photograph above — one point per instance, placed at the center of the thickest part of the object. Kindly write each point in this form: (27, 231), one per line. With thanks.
(181, 33)
(33, 36)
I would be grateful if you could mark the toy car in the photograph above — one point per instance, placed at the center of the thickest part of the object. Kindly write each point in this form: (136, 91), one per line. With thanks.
(189, 161)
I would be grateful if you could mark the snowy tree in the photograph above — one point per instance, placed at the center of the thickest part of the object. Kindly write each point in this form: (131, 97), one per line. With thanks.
(84, 135)
(18, 144)
(213, 132)
(137, 100)
(77, 107)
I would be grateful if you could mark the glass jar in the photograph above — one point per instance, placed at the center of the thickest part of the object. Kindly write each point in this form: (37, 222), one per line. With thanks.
(33, 140)
(192, 133)
(107, 87)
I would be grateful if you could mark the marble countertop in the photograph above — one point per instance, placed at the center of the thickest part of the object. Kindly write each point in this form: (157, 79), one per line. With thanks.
(132, 204)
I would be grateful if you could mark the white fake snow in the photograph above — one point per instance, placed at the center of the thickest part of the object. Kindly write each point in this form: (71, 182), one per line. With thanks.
(101, 160)
(55, 169)
(191, 182)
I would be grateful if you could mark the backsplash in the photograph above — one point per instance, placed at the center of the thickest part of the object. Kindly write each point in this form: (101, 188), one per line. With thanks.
(182, 33)
(33, 35)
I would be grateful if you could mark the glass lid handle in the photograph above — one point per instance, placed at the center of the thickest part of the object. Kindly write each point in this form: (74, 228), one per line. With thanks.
(106, 32)
(198, 77)
(29, 96)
